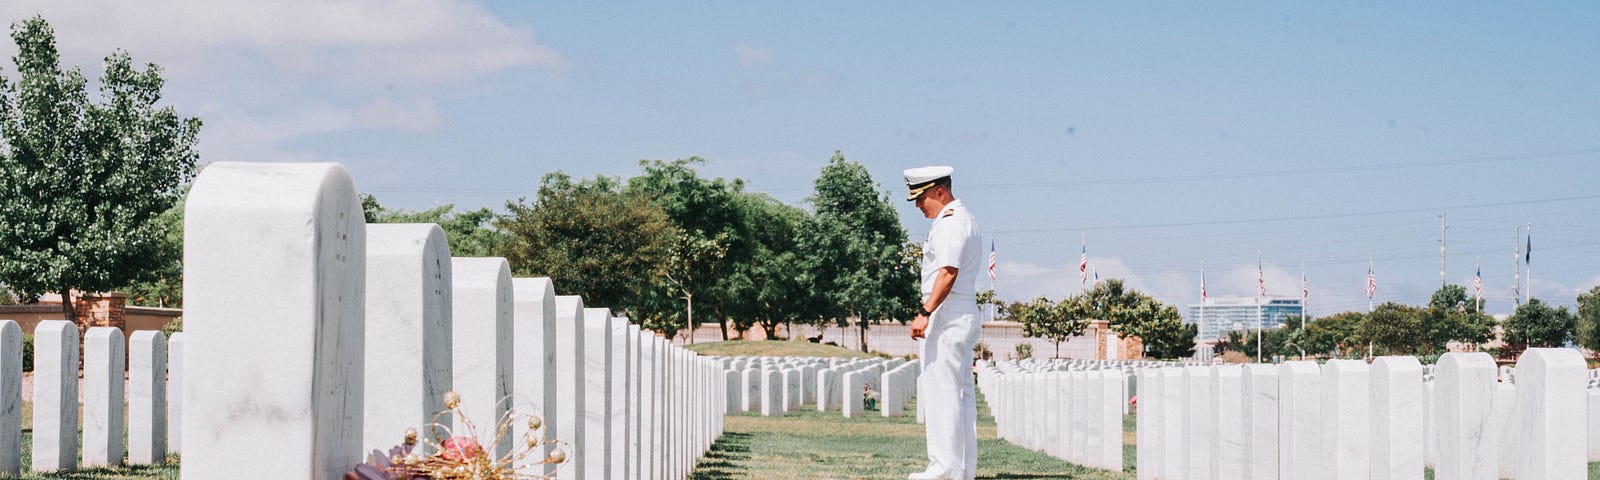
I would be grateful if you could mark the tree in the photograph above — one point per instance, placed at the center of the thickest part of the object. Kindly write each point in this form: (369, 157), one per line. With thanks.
(164, 287)
(1538, 324)
(1588, 321)
(1165, 335)
(1053, 321)
(1452, 317)
(1392, 328)
(776, 287)
(82, 182)
(862, 261)
(1339, 333)
(470, 233)
(713, 234)
(592, 240)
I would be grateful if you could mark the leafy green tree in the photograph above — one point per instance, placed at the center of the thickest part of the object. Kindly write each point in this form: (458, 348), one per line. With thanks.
(863, 264)
(1337, 334)
(593, 240)
(1053, 321)
(164, 287)
(713, 233)
(1538, 324)
(1588, 321)
(82, 182)
(471, 233)
(1451, 316)
(1393, 329)
(777, 287)
(1165, 335)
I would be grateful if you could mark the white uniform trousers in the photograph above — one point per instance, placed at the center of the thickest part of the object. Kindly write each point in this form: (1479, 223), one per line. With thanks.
(948, 399)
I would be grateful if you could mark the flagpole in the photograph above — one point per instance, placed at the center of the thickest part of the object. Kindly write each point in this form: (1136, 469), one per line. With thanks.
(1202, 320)
(1477, 303)
(1516, 262)
(1261, 282)
(1305, 296)
(1528, 259)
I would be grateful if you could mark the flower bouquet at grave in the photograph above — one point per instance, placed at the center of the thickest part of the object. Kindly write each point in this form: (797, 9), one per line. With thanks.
(463, 457)
(869, 398)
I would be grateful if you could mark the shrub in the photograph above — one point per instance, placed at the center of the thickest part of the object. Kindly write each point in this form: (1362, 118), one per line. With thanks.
(27, 352)
(1024, 351)
(174, 326)
(981, 351)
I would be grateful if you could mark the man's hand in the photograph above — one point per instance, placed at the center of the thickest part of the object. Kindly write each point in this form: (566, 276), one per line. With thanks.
(919, 327)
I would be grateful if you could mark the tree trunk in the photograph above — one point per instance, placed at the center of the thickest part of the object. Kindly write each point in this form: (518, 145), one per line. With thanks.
(1058, 349)
(862, 322)
(722, 322)
(68, 312)
(688, 302)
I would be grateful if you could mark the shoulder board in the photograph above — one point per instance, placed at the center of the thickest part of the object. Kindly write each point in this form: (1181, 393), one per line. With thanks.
(948, 213)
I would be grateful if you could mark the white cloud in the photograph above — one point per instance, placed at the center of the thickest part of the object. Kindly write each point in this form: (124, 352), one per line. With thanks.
(749, 55)
(265, 74)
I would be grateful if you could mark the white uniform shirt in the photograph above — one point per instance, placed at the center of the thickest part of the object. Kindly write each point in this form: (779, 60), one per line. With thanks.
(953, 242)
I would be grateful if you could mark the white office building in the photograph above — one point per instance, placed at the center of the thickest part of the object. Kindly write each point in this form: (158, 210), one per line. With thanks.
(1219, 315)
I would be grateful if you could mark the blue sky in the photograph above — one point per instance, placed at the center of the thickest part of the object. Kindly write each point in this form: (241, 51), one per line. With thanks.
(1170, 135)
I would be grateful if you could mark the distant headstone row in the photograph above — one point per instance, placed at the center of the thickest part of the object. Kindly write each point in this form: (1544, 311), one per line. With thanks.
(314, 338)
(1069, 409)
(776, 385)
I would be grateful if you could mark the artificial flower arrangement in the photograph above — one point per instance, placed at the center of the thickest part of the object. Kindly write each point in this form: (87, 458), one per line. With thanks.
(463, 457)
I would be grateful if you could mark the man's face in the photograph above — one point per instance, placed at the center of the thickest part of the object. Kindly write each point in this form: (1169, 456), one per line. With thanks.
(925, 202)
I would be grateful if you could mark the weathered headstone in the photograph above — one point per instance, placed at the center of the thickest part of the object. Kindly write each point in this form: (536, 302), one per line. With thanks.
(481, 308)
(1552, 413)
(1397, 435)
(408, 326)
(750, 389)
(286, 360)
(791, 389)
(1346, 419)
(533, 379)
(1300, 432)
(175, 374)
(10, 398)
(1466, 385)
(55, 396)
(597, 392)
(571, 382)
(147, 398)
(772, 393)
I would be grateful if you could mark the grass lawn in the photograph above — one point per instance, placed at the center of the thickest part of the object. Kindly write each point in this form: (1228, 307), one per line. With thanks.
(774, 348)
(168, 471)
(807, 444)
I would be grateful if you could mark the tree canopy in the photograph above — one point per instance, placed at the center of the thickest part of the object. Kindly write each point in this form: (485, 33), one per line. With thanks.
(82, 181)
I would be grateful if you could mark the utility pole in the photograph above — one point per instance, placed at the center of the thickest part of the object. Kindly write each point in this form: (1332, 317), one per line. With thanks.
(1442, 227)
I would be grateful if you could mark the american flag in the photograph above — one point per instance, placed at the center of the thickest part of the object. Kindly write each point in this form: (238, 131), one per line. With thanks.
(1261, 279)
(1477, 284)
(1202, 284)
(1083, 266)
(992, 260)
(1372, 283)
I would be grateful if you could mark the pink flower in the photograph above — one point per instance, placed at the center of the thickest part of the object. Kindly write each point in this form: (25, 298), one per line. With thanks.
(460, 449)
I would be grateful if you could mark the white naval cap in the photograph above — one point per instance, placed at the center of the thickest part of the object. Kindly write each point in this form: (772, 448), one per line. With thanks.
(920, 179)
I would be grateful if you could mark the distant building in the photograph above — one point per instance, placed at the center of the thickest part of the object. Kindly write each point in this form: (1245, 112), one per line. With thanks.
(1219, 315)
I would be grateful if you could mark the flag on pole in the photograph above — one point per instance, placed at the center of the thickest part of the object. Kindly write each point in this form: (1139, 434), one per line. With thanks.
(992, 260)
(1261, 279)
(1096, 277)
(1477, 284)
(1305, 289)
(1527, 253)
(1083, 265)
(1372, 283)
(1202, 284)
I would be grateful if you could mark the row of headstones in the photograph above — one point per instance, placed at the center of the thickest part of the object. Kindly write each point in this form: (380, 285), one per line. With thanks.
(305, 323)
(1074, 414)
(1347, 419)
(776, 385)
(1126, 367)
(113, 433)
(899, 387)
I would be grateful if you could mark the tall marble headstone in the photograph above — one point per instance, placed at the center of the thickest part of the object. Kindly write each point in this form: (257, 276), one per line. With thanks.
(55, 396)
(1260, 422)
(1300, 432)
(1466, 387)
(619, 397)
(1346, 417)
(10, 398)
(147, 398)
(481, 319)
(408, 328)
(1147, 444)
(104, 388)
(597, 365)
(534, 378)
(1229, 421)
(286, 360)
(571, 383)
(175, 372)
(1552, 413)
(1397, 433)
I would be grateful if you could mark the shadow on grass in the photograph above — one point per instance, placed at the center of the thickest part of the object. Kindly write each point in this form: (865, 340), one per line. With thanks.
(726, 458)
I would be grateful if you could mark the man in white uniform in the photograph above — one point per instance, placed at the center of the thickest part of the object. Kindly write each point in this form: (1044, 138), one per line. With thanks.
(948, 321)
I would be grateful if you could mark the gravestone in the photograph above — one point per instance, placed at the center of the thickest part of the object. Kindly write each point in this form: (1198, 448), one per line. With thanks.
(55, 396)
(635, 402)
(750, 394)
(736, 393)
(1148, 456)
(481, 307)
(1552, 413)
(175, 392)
(1503, 420)
(1227, 385)
(1260, 417)
(571, 382)
(619, 398)
(286, 360)
(1110, 419)
(1300, 431)
(147, 398)
(10, 398)
(1465, 385)
(649, 406)
(771, 393)
(791, 389)
(104, 384)
(1397, 431)
(827, 388)
(1175, 460)
(408, 326)
(597, 392)
(1200, 415)
(1346, 417)
(1593, 397)
(533, 380)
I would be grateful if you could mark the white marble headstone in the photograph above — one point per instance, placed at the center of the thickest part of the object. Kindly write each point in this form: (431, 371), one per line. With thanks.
(286, 360)
(571, 382)
(533, 379)
(1552, 413)
(1465, 389)
(104, 426)
(55, 396)
(147, 398)
(597, 365)
(481, 307)
(1397, 435)
(10, 398)
(408, 327)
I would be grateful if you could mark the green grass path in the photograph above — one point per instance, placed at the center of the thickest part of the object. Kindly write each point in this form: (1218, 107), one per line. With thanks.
(807, 444)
